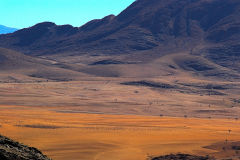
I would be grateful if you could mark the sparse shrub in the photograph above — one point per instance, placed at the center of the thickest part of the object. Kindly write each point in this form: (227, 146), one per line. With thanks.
(237, 152)
(236, 148)
(229, 131)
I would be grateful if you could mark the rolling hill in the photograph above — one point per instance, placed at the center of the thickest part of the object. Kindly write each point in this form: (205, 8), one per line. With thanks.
(17, 67)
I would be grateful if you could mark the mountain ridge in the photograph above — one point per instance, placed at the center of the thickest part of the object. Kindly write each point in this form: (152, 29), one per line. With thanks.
(143, 25)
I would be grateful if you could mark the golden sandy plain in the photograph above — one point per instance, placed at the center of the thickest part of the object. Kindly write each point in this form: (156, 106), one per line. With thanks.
(78, 136)
(101, 119)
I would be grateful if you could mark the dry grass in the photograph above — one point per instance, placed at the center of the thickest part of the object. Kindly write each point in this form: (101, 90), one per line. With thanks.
(107, 95)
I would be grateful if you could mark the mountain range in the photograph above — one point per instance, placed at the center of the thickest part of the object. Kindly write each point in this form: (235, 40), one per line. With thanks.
(196, 36)
(6, 30)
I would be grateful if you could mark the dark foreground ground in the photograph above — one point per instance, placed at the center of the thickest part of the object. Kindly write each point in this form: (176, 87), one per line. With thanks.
(182, 157)
(11, 150)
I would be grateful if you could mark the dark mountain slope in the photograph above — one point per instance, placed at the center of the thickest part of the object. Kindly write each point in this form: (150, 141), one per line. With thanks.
(144, 25)
(39, 38)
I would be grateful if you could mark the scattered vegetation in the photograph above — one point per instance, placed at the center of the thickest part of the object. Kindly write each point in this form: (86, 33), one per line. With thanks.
(41, 126)
(236, 148)
(183, 157)
(107, 62)
(149, 84)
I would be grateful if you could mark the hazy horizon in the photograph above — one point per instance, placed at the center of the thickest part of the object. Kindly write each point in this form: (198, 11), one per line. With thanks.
(26, 13)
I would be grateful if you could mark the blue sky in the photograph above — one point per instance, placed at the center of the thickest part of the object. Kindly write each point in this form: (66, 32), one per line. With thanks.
(25, 13)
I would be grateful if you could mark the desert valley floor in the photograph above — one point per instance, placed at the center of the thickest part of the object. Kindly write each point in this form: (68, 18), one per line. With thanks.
(106, 118)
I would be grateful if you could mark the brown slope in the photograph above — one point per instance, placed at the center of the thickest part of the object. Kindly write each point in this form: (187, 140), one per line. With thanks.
(17, 67)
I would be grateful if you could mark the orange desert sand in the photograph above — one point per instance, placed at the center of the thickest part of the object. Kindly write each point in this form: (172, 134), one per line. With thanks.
(76, 136)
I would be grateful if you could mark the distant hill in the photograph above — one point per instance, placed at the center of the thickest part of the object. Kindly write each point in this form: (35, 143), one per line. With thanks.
(5, 30)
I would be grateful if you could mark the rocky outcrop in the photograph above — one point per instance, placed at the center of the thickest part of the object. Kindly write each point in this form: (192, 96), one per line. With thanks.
(11, 150)
(182, 157)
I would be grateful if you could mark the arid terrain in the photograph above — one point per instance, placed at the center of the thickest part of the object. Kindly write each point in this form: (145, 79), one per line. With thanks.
(162, 77)
(122, 118)
(154, 97)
